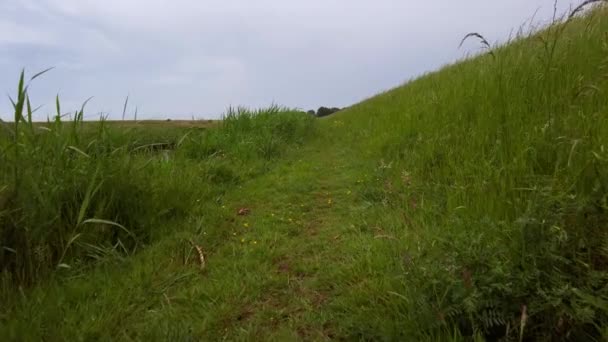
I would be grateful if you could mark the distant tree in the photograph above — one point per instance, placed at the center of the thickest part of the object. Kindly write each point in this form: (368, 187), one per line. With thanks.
(324, 111)
(311, 112)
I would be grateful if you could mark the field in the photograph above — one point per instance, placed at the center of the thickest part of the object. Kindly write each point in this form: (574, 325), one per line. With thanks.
(468, 204)
(164, 123)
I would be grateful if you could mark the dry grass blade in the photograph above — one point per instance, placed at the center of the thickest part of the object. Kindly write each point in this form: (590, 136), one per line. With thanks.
(201, 255)
(522, 322)
(481, 38)
(79, 151)
(554, 11)
(582, 6)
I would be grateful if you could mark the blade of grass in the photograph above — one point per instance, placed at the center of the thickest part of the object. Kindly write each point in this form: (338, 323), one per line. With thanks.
(91, 191)
(110, 223)
(124, 108)
(41, 73)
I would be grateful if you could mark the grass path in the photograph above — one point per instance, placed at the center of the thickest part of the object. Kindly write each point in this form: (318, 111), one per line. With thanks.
(288, 257)
(300, 266)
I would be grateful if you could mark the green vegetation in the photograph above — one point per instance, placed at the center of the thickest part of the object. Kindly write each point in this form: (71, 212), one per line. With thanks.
(469, 204)
(69, 190)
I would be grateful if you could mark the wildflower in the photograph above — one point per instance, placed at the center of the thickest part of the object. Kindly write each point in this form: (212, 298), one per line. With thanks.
(223, 207)
(243, 240)
(290, 219)
(349, 192)
(234, 233)
(255, 242)
(329, 201)
(246, 225)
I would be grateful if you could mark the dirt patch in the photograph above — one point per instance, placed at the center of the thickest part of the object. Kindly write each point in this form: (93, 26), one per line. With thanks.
(312, 227)
(244, 315)
(287, 268)
(284, 267)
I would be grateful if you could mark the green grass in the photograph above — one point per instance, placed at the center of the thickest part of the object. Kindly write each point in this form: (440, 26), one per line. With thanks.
(469, 204)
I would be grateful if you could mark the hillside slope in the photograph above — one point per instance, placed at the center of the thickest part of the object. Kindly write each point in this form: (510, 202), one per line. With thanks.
(470, 202)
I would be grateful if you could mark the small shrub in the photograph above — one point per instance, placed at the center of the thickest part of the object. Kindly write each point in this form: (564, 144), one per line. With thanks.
(324, 111)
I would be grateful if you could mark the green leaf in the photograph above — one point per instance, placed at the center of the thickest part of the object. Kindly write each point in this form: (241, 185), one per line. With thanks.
(91, 190)
(57, 106)
(41, 73)
(76, 149)
(110, 223)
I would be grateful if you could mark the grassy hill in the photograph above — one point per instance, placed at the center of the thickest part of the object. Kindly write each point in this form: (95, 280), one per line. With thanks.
(470, 203)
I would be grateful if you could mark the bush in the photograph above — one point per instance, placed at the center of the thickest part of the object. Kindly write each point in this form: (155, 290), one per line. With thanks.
(248, 135)
(324, 111)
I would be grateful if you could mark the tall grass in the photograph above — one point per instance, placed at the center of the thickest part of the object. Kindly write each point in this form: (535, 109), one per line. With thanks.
(251, 135)
(72, 192)
(499, 171)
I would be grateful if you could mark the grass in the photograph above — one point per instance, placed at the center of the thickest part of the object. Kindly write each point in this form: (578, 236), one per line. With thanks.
(71, 189)
(469, 204)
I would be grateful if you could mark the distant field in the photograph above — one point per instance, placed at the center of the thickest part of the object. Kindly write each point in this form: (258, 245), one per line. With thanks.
(164, 123)
(147, 123)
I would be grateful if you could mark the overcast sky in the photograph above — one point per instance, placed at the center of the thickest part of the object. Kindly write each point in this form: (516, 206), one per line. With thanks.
(183, 58)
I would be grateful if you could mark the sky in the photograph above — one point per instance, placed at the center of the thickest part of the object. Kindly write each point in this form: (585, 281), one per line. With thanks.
(184, 59)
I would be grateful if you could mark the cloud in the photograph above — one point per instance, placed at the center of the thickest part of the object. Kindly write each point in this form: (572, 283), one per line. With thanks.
(12, 33)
